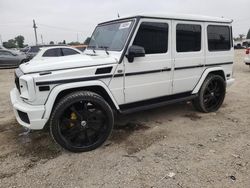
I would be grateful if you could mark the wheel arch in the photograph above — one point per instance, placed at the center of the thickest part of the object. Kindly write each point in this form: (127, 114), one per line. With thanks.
(214, 70)
(62, 90)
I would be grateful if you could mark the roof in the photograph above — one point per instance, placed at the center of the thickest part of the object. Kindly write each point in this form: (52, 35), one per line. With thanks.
(188, 17)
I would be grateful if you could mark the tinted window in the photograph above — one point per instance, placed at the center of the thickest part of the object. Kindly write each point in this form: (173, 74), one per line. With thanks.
(188, 38)
(34, 49)
(53, 53)
(67, 51)
(218, 38)
(6, 53)
(153, 37)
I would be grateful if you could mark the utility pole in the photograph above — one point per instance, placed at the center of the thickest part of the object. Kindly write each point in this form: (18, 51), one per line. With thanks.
(42, 38)
(77, 37)
(35, 27)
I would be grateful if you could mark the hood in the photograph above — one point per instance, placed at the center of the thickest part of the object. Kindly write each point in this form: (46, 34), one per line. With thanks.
(66, 62)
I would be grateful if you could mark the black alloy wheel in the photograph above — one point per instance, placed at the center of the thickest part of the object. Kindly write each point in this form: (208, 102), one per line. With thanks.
(211, 94)
(81, 121)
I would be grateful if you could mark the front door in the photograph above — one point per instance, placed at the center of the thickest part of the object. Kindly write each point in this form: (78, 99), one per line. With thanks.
(150, 76)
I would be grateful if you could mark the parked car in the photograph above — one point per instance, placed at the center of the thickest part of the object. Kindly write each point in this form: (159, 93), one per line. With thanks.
(131, 64)
(10, 59)
(31, 51)
(55, 51)
(247, 58)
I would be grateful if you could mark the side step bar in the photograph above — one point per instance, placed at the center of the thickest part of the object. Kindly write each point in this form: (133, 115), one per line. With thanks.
(126, 110)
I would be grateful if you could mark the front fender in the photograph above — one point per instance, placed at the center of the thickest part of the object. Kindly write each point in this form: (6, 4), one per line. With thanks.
(203, 77)
(56, 90)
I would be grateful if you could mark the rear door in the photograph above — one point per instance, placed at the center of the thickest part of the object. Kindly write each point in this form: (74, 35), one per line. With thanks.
(189, 55)
(150, 76)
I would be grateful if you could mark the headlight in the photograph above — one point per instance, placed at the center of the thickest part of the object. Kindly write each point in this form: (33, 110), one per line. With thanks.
(27, 88)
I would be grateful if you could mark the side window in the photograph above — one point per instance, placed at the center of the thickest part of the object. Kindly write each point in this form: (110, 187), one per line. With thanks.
(218, 38)
(34, 49)
(6, 53)
(153, 37)
(188, 38)
(67, 51)
(53, 53)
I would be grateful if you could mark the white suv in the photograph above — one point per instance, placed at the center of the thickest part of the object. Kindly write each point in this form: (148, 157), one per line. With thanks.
(131, 64)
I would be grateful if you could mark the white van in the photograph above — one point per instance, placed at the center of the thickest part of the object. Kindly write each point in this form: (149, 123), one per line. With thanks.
(131, 64)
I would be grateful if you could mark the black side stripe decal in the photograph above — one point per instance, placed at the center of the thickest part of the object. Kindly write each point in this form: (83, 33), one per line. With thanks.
(121, 75)
(207, 65)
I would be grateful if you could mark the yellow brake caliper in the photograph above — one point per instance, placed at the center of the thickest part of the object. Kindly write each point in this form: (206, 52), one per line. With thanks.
(73, 116)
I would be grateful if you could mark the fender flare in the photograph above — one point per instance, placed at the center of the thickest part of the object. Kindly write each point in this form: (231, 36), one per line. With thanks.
(203, 77)
(59, 88)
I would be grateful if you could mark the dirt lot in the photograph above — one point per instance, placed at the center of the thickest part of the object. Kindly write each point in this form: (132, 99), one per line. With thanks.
(174, 146)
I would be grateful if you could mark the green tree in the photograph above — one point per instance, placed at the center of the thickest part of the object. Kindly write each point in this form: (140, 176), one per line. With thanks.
(10, 44)
(64, 42)
(20, 41)
(74, 43)
(51, 42)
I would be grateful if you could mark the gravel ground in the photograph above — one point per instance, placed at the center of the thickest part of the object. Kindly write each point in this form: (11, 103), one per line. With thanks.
(174, 146)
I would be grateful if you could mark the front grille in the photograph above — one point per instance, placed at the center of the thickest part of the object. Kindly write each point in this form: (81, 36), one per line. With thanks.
(18, 73)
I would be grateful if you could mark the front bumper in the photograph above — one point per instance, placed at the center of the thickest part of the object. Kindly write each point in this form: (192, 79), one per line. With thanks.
(27, 115)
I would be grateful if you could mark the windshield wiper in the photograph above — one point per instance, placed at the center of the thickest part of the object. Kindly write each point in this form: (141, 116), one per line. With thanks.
(93, 48)
(105, 48)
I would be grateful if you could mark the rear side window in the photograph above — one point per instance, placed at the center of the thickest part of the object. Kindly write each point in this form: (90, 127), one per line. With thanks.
(218, 38)
(34, 49)
(56, 52)
(6, 53)
(67, 51)
(188, 38)
(153, 37)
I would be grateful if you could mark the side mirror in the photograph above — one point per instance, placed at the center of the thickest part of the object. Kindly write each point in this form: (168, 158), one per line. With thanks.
(135, 51)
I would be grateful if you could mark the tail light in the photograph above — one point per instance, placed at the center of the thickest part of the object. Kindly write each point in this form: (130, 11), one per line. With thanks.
(248, 51)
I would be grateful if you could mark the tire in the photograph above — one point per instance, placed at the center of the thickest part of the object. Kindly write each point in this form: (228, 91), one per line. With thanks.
(81, 121)
(211, 94)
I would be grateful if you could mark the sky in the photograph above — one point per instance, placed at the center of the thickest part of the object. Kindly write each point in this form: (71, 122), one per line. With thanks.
(75, 20)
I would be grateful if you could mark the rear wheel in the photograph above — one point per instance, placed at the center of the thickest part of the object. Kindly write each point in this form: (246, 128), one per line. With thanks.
(211, 94)
(81, 121)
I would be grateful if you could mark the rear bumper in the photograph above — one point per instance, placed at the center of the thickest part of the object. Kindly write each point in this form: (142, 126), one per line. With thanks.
(27, 115)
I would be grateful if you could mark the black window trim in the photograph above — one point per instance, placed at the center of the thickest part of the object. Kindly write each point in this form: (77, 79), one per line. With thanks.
(183, 22)
(230, 35)
(150, 20)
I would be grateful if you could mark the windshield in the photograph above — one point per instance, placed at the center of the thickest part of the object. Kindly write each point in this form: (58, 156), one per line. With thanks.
(111, 37)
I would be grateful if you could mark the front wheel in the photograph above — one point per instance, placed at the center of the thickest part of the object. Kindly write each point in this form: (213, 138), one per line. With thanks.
(81, 121)
(211, 94)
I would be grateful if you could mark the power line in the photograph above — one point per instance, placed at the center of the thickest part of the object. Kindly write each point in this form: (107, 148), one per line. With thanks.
(59, 28)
